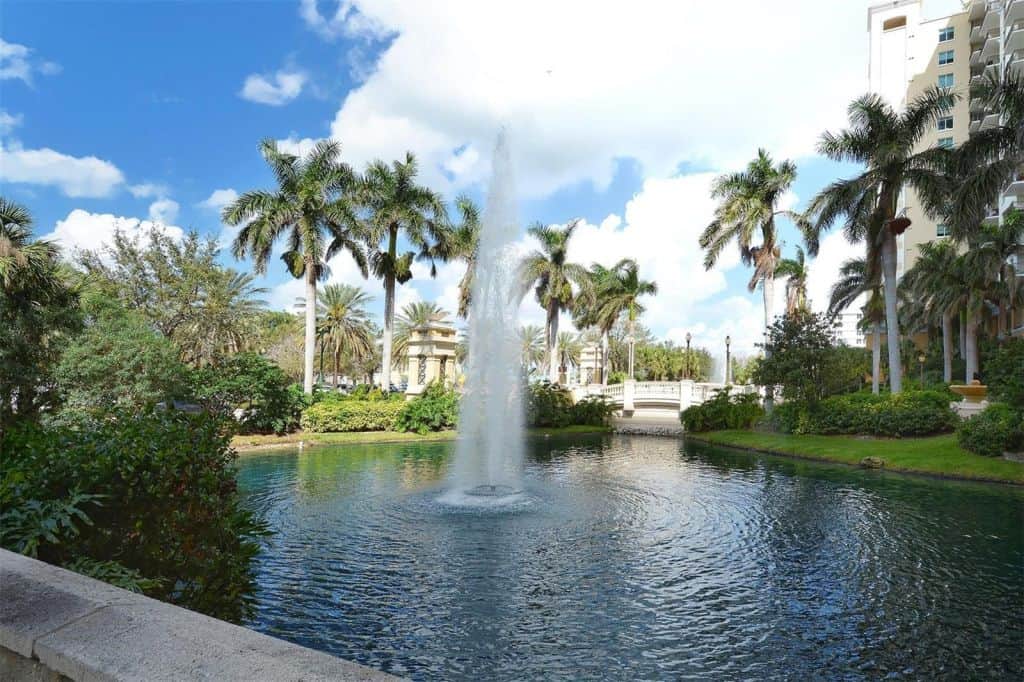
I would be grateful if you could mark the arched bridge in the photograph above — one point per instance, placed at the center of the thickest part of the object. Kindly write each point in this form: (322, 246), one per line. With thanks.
(657, 399)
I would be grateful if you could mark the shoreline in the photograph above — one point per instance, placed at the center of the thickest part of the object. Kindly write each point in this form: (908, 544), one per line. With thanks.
(732, 440)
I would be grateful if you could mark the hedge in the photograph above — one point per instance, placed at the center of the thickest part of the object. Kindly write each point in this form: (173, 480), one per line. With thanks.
(912, 413)
(352, 415)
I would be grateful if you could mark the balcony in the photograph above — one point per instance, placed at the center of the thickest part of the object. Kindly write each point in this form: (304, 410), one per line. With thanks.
(990, 48)
(991, 21)
(975, 125)
(1016, 188)
(977, 37)
(1015, 63)
(1015, 11)
(990, 121)
(977, 10)
(1015, 38)
(977, 104)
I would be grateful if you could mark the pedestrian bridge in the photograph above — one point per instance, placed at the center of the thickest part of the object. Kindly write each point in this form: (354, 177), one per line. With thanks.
(657, 398)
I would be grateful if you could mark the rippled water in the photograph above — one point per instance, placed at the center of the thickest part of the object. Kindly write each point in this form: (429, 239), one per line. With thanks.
(640, 558)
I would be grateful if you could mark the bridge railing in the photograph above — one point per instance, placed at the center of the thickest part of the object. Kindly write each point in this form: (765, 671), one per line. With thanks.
(680, 394)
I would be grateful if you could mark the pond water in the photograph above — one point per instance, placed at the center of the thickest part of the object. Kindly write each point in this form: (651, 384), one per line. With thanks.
(639, 558)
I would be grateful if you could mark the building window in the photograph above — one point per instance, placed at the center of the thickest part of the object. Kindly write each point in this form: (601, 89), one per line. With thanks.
(946, 142)
(945, 34)
(941, 230)
(946, 123)
(945, 57)
(946, 80)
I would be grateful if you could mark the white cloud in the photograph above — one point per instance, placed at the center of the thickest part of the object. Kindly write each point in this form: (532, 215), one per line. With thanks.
(8, 122)
(346, 20)
(164, 210)
(85, 176)
(277, 89)
(219, 198)
(297, 146)
(677, 87)
(82, 230)
(824, 270)
(16, 61)
(146, 190)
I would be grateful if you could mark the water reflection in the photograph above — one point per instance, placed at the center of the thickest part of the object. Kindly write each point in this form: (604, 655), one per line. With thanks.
(640, 558)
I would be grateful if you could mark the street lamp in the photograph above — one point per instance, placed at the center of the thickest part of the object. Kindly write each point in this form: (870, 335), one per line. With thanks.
(728, 366)
(920, 360)
(632, 344)
(688, 356)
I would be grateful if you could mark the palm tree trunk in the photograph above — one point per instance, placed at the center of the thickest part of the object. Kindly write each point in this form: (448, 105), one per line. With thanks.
(310, 349)
(876, 357)
(1001, 321)
(892, 324)
(553, 343)
(972, 345)
(947, 346)
(632, 349)
(604, 358)
(769, 299)
(389, 314)
(337, 363)
(963, 335)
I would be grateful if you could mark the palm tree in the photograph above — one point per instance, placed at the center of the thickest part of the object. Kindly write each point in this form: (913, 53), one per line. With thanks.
(414, 315)
(397, 206)
(587, 312)
(21, 259)
(620, 293)
(995, 248)
(312, 208)
(531, 339)
(552, 277)
(747, 208)
(462, 244)
(343, 325)
(795, 271)
(570, 348)
(884, 142)
(854, 280)
(222, 319)
(935, 283)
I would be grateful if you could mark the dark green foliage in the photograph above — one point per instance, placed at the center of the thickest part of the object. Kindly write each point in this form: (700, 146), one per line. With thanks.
(594, 410)
(723, 411)
(250, 382)
(1004, 373)
(120, 362)
(436, 409)
(912, 413)
(802, 358)
(352, 415)
(997, 429)
(147, 501)
(548, 405)
(360, 392)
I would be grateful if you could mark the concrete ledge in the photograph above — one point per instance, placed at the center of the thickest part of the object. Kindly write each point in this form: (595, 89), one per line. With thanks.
(87, 630)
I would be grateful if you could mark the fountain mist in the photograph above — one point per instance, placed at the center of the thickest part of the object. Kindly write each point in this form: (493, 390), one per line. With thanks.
(489, 451)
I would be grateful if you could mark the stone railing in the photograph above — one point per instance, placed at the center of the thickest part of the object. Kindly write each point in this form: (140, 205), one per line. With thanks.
(56, 624)
(677, 394)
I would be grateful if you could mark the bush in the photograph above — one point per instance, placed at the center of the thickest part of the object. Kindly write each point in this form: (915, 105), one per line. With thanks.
(1004, 373)
(594, 410)
(148, 502)
(791, 417)
(360, 392)
(247, 381)
(723, 411)
(352, 415)
(436, 409)
(912, 413)
(997, 429)
(548, 405)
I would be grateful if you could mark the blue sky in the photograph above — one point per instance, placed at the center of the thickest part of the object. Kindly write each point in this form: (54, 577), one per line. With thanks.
(143, 110)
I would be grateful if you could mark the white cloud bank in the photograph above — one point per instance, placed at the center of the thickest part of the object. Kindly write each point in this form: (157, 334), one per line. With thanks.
(275, 90)
(17, 62)
(164, 210)
(82, 230)
(218, 199)
(76, 177)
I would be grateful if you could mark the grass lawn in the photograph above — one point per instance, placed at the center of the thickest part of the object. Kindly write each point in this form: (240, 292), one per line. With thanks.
(935, 455)
(243, 443)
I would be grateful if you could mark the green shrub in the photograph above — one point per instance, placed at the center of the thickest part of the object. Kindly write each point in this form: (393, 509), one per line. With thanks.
(723, 411)
(436, 409)
(594, 410)
(616, 377)
(352, 415)
(791, 417)
(250, 382)
(548, 405)
(912, 413)
(1004, 373)
(997, 429)
(148, 502)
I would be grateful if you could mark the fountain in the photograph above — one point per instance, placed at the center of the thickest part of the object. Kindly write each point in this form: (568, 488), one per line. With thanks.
(489, 451)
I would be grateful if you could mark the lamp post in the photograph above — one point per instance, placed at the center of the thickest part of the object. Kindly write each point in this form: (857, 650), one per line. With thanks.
(920, 359)
(728, 364)
(632, 342)
(688, 356)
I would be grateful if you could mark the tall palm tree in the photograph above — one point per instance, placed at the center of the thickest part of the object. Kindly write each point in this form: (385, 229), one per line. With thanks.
(997, 245)
(343, 324)
(553, 278)
(462, 244)
(22, 259)
(747, 209)
(396, 207)
(854, 280)
(935, 283)
(795, 271)
(416, 314)
(312, 208)
(587, 312)
(570, 349)
(619, 293)
(531, 339)
(222, 319)
(885, 143)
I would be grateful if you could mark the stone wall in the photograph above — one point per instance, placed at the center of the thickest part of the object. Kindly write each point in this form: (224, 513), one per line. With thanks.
(56, 624)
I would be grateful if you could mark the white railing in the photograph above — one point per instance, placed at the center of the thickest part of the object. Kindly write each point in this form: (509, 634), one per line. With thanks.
(681, 393)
